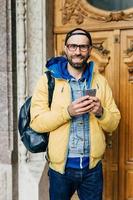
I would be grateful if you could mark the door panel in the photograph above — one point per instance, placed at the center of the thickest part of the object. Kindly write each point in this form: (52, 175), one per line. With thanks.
(126, 126)
(113, 55)
(106, 57)
(112, 34)
(109, 51)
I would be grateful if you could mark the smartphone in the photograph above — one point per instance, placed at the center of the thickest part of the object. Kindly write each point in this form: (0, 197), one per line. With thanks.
(90, 92)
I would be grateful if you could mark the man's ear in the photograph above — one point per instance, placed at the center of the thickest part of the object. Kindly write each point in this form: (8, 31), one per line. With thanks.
(90, 49)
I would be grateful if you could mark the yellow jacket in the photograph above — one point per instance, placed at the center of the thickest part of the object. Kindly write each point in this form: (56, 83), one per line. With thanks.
(57, 119)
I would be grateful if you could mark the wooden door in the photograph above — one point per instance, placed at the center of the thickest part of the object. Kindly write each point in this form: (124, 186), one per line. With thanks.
(114, 59)
(106, 56)
(112, 34)
(126, 126)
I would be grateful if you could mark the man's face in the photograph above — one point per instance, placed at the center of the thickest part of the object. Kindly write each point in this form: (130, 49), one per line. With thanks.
(77, 50)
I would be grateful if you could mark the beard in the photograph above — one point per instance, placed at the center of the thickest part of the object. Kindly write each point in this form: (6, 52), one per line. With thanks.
(78, 65)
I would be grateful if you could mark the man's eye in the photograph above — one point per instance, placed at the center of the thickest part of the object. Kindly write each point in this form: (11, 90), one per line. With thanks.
(83, 46)
(73, 46)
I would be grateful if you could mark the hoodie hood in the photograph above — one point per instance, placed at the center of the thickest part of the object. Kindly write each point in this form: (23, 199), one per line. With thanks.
(58, 68)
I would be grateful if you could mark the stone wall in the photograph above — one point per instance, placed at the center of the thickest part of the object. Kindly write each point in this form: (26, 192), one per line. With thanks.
(8, 103)
(26, 41)
(34, 46)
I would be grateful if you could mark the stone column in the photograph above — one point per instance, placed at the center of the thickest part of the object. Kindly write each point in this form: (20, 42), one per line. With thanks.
(8, 102)
(34, 27)
(30, 68)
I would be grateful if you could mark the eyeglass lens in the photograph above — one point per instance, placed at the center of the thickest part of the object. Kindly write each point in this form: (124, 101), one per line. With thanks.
(73, 47)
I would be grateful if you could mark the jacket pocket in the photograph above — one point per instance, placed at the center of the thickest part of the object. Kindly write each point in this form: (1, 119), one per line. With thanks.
(98, 143)
(57, 147)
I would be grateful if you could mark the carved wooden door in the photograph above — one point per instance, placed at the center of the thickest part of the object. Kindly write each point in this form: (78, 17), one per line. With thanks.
(105, 53)
(126, 126)
(112, 34)
(114, 59)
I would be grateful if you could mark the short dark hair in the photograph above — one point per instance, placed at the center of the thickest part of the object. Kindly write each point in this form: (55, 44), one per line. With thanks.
(70, 33)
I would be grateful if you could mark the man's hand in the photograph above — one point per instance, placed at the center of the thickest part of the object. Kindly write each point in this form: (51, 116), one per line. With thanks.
(84, 105)
(97, 108)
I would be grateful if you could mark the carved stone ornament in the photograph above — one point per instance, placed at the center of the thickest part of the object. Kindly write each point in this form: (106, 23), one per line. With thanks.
(22, 62)
(80, 10)
(129, 61)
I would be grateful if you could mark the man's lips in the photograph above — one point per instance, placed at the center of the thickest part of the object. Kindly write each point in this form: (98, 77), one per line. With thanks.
(77, 59)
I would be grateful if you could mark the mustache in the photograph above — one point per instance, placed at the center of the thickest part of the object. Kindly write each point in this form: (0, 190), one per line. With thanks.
(78, 56)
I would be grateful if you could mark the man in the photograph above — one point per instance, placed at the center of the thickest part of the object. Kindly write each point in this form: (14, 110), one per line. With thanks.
(76, 121)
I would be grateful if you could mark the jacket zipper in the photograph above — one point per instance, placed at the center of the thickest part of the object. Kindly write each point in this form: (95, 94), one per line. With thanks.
(69, 134)
(89, 124)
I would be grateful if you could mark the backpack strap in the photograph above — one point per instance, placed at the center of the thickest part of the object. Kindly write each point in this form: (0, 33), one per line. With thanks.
(51, 84)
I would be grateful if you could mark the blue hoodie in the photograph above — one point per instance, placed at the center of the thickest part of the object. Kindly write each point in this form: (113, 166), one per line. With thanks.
(58, 68)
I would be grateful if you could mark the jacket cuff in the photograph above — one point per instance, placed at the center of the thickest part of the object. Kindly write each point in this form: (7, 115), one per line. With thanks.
(105, 116)
(66, 115)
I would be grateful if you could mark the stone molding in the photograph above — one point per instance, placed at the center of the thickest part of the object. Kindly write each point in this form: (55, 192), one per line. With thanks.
(26, 55)
(30, 58)
(21, 6)
(8, 101)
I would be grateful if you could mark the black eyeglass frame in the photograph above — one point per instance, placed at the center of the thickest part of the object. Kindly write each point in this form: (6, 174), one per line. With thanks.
(81, 47)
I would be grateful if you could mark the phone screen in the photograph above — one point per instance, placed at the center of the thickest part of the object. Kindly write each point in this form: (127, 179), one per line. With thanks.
(90, 92)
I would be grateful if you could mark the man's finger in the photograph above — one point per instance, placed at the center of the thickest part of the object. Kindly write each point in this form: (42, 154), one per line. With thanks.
(83, 98)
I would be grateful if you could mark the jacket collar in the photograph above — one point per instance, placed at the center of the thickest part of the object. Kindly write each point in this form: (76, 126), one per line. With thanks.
(58, 68)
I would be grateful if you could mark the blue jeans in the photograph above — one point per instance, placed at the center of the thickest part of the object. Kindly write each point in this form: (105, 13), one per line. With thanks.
(87, 182)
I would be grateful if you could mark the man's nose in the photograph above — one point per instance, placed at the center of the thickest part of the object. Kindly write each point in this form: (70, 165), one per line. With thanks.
(77, 51)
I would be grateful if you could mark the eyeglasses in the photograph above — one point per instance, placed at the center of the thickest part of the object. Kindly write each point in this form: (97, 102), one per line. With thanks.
(82, 47)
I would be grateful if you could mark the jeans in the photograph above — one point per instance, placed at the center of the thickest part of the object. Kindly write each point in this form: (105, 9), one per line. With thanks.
(87, 182)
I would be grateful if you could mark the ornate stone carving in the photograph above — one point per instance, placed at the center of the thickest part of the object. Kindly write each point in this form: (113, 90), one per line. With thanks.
(72, 9)
(29, 38)
(21, 46)
(114, 16)
(21, 61)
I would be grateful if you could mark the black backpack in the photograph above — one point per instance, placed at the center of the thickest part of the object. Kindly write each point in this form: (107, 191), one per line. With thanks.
(33, 141)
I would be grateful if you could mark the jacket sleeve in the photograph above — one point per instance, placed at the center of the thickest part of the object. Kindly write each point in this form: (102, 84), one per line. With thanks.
(111, 115)
(44, 119)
